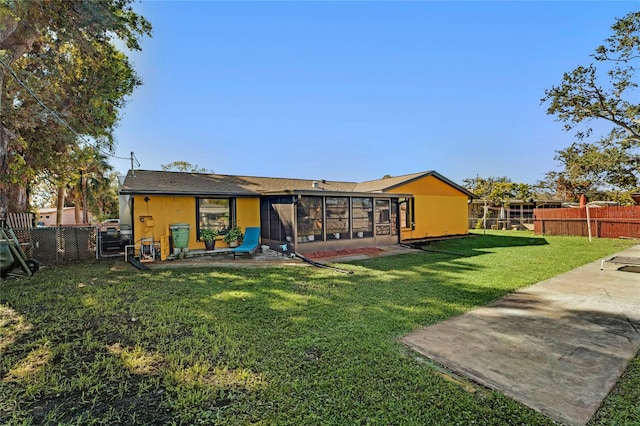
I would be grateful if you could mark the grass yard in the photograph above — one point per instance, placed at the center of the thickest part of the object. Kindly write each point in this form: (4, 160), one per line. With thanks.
(104, 343)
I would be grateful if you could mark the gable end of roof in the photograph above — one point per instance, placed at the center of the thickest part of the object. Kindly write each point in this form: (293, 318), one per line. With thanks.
(387, 184)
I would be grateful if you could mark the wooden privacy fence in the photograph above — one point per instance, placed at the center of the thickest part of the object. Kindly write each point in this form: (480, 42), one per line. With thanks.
(606, 222)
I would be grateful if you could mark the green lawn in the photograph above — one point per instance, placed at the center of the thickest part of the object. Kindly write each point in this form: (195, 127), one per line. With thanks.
(104, 343)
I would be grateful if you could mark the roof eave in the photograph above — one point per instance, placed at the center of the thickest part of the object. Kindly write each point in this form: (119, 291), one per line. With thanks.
(328, 193)
(188, 193)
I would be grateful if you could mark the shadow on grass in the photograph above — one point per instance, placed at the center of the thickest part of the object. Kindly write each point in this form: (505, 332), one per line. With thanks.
(477, 244)
(449, 256)
(479, 241)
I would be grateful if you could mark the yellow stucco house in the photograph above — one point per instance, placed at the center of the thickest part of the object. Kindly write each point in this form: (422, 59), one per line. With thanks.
(307, 215)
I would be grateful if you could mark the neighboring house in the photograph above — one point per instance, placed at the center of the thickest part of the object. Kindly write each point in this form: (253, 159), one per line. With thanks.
(518, 214)
(308, 215)
(514, 214)
(47, 217)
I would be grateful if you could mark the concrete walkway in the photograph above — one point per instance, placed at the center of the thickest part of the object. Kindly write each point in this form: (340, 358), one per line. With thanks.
(224, 258)
(558, 346)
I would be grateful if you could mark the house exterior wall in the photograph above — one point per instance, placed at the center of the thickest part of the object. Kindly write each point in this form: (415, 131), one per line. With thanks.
(248, 212)
(153, 218)
(440, 209)
(48, 216)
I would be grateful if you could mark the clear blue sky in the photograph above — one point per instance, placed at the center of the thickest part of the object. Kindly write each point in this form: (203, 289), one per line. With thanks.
(356, 90)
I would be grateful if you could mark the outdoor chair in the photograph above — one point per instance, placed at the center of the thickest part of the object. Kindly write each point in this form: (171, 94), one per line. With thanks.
(250, 241)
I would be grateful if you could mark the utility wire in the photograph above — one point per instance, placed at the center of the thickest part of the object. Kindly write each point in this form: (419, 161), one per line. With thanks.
(55, 114)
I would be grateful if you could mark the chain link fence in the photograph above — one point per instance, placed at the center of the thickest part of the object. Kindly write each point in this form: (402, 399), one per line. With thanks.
(59, 244)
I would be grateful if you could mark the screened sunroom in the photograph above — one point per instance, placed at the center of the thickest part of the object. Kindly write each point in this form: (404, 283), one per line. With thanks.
(319, 220)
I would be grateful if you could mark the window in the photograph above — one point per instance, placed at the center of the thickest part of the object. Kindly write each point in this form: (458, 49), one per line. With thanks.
(215, 213)
(337, 211)
(310, 219)
(394, 216)
(383, 211)
(406, 212)
(362, 217)
(383, 217)
(265, 230)
(276, 216)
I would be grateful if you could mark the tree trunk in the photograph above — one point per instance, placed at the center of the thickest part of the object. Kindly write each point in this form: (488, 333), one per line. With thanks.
(4, 145)
(18, 38)
(60, 205)
(77, 215)
(85, 208)
(17, 199)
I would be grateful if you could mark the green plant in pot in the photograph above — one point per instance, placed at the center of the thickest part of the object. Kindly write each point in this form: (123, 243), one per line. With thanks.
(233, 237)
(209, 237)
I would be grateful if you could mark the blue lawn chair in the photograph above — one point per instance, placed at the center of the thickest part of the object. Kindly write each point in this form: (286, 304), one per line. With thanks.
(250, 241)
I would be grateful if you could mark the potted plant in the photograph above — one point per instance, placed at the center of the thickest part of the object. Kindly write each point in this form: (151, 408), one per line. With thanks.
(233, 237)
(209, 237)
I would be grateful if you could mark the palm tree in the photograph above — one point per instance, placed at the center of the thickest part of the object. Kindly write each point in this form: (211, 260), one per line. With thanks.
(94, 181)
(89, 183)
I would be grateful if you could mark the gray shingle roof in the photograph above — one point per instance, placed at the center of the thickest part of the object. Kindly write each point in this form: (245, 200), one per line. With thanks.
(181, 183)
(380, 185)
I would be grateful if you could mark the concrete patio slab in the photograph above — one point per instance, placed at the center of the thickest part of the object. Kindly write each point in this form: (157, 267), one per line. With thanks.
(558, 346)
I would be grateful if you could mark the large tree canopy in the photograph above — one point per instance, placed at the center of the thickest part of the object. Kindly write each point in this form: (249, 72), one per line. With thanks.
(184, 166)
(604, 94)
(498, 190)
(62, 83)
